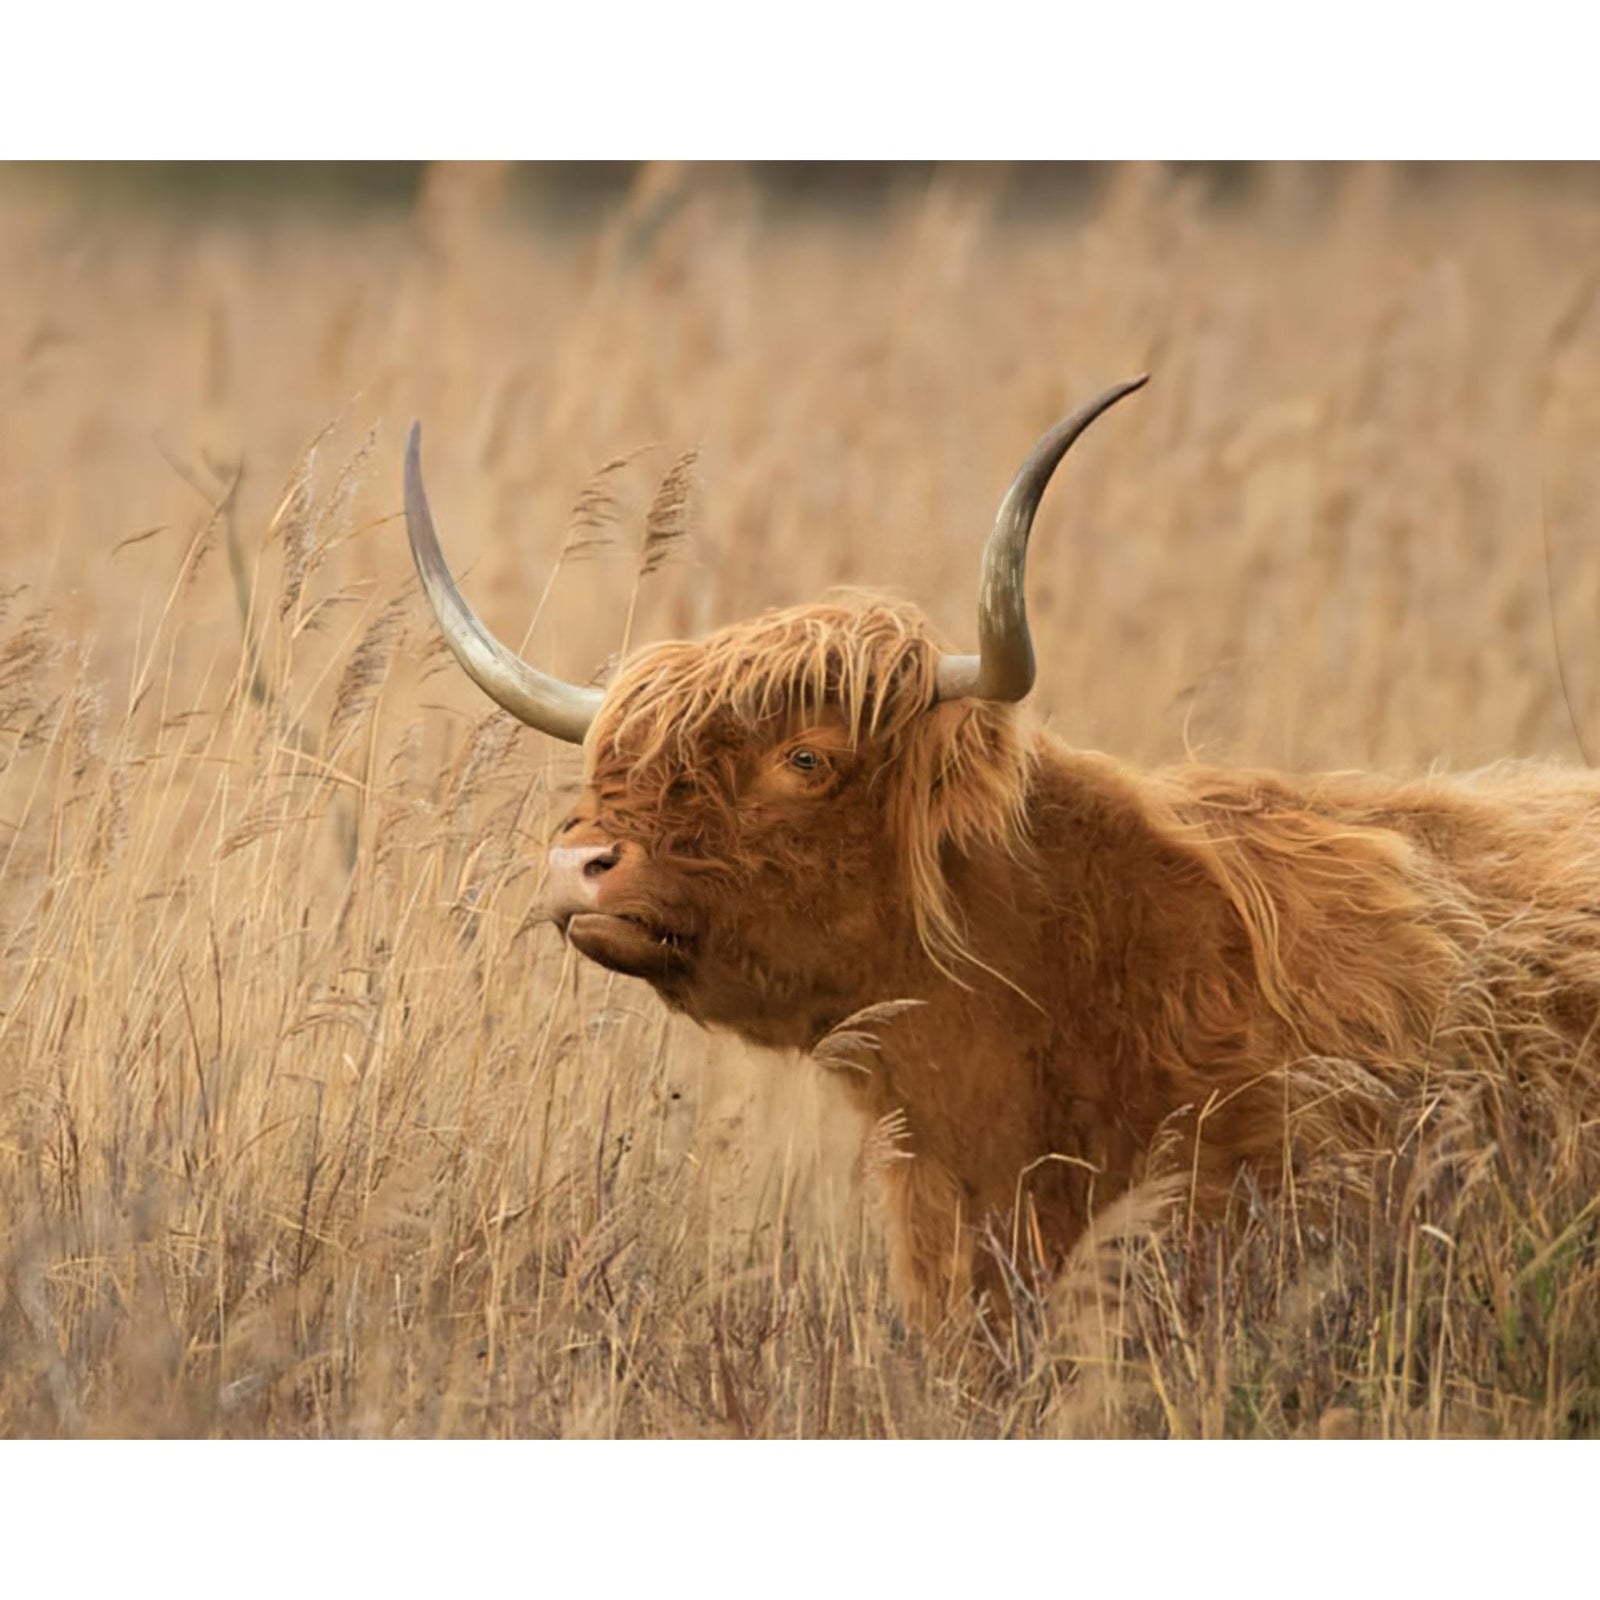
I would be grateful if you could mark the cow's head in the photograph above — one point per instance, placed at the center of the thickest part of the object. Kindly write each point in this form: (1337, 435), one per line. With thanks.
(769, 814)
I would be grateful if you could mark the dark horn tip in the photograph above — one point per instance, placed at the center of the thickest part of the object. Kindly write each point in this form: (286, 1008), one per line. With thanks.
(418, 520)
(416, 495)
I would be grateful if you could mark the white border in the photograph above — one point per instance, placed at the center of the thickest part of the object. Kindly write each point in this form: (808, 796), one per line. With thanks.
(826, 80)
(821, 1520)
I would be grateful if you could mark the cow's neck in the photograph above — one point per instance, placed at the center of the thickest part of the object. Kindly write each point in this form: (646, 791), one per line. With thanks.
(1007, 1080)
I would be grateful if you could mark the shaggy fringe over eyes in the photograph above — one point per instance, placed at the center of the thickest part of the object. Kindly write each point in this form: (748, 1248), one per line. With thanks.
(957, 773)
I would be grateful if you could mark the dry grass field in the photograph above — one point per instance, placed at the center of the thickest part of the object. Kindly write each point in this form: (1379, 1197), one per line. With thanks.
(309, 1128)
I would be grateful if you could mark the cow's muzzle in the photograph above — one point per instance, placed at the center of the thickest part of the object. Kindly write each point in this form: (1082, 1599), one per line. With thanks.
(589, 900)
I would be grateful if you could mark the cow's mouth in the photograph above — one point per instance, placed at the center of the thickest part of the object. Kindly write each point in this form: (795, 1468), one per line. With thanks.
(628, 944)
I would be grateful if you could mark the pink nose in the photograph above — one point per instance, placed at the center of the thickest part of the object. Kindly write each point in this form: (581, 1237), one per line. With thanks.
(573, 883)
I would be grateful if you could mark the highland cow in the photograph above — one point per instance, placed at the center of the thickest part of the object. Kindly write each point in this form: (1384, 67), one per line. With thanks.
(811, 814)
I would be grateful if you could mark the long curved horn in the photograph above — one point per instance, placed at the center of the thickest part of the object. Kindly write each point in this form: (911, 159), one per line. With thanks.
(1003, 669)
(533, 697)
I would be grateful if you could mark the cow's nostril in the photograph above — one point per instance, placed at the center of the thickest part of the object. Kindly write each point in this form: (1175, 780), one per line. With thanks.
(597, 865)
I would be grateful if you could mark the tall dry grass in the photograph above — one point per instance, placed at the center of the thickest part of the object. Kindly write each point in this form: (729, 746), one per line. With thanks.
(307, 1128)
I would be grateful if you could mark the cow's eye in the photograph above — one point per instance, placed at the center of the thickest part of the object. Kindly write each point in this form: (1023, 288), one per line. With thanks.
(805, 760)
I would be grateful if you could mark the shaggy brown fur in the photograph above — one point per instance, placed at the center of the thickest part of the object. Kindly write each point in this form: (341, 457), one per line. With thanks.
(1199, 968)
